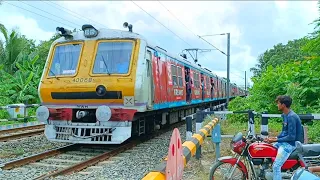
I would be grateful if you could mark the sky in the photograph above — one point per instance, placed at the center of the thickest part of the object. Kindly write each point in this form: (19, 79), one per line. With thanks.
(254, 26)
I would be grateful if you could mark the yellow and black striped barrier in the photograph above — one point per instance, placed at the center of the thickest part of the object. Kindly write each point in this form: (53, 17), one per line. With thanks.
(189, 150)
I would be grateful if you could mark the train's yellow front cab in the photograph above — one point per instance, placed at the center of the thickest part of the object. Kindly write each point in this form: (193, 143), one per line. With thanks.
(90, 71)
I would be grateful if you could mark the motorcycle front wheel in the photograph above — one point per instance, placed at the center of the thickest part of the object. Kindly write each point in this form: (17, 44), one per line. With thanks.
(222, 174)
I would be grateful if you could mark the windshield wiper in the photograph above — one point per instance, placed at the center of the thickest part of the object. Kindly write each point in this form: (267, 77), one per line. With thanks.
(105, 64)
(54, 75)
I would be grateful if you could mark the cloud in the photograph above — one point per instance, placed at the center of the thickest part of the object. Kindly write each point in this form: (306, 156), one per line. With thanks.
(284, 22)
(26, 26)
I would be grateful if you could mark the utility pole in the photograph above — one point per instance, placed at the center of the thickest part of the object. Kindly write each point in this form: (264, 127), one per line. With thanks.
(245, 82)
(228, 61)
(228, 69)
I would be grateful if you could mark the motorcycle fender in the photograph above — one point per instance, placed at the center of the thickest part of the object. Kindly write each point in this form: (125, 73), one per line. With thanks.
(232, 160)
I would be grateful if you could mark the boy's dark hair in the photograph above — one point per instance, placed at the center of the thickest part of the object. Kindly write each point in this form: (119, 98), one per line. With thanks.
(286, 100)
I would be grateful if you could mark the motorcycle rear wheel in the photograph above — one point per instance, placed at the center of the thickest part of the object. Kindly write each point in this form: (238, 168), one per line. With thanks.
(217, 164)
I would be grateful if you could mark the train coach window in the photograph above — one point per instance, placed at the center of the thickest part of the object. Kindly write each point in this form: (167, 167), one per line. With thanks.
(174, 75)
(113, 58)
(65, 59)
(180, 83)
(196, 80)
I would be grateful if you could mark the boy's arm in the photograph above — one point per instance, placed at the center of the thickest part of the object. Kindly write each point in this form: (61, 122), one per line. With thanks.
(291, 130)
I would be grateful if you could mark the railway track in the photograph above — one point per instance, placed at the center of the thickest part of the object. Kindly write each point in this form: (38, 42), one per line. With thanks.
(17, 133)
(75, 158)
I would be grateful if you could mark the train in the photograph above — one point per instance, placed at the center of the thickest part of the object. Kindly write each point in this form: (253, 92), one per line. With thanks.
(108, 85)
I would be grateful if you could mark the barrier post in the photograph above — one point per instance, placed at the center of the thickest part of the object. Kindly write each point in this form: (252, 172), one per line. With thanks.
(264, 123)
(305, 134)
(251, 122)
(189, 128)
(216, 138)
(199, 120)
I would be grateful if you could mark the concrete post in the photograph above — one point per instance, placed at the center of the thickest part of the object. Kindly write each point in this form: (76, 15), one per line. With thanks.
(199, 120)
(189, 128)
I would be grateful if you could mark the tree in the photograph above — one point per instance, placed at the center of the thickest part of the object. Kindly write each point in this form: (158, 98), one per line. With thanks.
(280, 54)
(13, 47)
(313, 46)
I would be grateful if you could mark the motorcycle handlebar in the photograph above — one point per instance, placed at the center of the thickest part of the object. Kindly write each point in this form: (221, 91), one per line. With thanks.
(252, 138)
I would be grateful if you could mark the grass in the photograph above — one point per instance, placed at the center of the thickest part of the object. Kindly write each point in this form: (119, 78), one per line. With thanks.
(12, 122)
(4, 116)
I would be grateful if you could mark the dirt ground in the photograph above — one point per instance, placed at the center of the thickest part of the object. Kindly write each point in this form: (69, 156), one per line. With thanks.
(200, 169)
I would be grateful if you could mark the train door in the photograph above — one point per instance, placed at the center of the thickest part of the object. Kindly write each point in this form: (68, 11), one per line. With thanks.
(150, 87)
(220, 89)
(215, 81)
(188, 84)
(156, 80)
(162, 75)
(202, 86)
(171, 80)
(196, 80)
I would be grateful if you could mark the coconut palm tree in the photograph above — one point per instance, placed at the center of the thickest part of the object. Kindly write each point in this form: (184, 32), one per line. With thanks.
(12, 48)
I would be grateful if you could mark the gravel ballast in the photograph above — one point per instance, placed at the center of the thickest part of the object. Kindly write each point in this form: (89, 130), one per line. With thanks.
(19, 148)
(132, 164)
(135, 163)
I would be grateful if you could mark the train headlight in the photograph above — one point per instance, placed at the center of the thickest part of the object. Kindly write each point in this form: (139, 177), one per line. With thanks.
(89, 31)
(42, 114)
(103, 113)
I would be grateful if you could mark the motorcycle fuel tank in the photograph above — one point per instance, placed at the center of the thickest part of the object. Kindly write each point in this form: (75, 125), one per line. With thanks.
(261, 150)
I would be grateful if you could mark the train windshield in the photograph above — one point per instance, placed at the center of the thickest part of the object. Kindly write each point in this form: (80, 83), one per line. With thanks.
(113, 58)
(65, 60)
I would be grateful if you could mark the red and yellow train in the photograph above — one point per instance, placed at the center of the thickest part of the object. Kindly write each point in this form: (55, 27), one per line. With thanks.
(105, 86)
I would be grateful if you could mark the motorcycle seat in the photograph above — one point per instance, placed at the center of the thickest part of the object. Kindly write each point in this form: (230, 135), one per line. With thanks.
(306, 150)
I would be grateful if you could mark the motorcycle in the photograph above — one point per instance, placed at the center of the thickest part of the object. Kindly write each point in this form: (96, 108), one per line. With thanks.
(305, 173)
(258, 157)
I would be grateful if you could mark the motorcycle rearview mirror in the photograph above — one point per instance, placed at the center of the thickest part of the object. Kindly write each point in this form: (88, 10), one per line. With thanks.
(264, 133)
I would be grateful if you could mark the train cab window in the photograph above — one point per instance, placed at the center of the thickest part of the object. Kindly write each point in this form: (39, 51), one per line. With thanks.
(113, 58)
(174, 75)
(65, 59)
(179, 73)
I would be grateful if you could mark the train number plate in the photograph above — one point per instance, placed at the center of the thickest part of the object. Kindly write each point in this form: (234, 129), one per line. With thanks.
(81, 80)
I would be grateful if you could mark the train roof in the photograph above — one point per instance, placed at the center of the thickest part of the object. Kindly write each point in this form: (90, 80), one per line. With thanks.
(121, 34)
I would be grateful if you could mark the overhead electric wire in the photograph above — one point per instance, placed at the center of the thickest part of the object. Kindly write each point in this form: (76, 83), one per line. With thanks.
(196, 34)
(160, 23)
(50, 13)
(74, 13)
(36, 13)
(189, 29)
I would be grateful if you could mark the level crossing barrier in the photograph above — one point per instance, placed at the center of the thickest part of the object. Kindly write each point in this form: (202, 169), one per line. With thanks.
(192, 146)
(305, 118)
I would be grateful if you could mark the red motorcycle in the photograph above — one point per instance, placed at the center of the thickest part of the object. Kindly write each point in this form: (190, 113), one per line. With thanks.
(258, 158)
